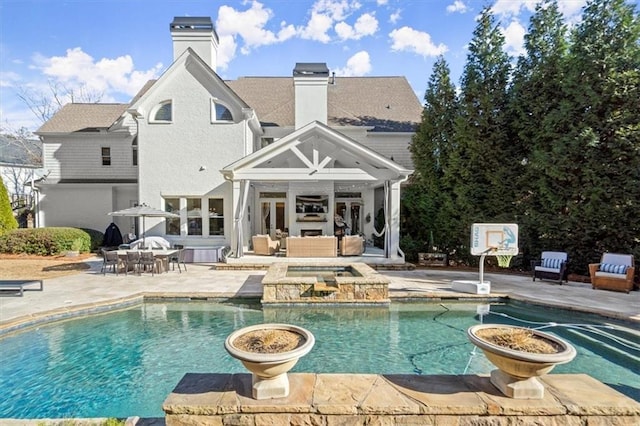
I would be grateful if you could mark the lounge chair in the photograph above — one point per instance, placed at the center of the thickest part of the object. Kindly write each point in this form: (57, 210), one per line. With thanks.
(614, 272)
(552, 265)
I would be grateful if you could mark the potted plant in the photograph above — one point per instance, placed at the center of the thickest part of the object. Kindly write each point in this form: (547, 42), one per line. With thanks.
(521, 355)
(269, 351)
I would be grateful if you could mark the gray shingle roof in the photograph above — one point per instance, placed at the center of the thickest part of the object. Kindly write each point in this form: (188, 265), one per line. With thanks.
(83, 117)
(386, 103)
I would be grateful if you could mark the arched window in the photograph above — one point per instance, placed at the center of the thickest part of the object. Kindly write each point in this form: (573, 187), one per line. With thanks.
(221, 112)
(162, 113)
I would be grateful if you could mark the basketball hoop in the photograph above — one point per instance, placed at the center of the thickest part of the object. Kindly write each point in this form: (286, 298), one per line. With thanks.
(504, 260)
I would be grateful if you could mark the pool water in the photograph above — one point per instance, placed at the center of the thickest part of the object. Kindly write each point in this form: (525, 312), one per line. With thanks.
(126, 363)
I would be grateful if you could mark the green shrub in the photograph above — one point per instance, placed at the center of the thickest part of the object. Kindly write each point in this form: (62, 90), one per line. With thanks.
(7, 221)
(45, 241)
(97, 238)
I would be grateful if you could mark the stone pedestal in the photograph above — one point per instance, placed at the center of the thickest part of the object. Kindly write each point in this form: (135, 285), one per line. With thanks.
(473, 287)
(517, 388)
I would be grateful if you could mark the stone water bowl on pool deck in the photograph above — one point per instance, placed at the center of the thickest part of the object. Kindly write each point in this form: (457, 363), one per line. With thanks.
(269, 351)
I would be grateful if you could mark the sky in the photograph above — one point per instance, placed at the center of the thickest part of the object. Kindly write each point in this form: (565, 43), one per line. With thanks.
(112, 47)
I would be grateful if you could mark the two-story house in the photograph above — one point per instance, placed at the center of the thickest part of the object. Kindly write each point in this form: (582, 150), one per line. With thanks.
(234, 158)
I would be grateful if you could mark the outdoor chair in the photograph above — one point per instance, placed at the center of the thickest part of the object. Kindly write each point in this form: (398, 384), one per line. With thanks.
(552, 265)
(178, 258)
(131, 262)
(148, 262)
(351, 245)
(264, 245)
(614, 272)
(111, 260)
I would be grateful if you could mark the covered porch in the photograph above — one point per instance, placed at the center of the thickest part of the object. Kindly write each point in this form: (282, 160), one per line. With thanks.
(316, 182)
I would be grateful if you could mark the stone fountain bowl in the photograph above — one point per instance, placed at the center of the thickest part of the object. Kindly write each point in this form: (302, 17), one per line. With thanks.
(522, 364)
(269, 370)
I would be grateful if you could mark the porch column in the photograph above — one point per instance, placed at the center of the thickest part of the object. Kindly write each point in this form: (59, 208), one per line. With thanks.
(394, 221)
(239, 193)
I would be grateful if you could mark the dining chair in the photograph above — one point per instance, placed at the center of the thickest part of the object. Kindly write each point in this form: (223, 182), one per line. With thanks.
(178, 258)
(131, 262)
(147, 261)
(111, 260)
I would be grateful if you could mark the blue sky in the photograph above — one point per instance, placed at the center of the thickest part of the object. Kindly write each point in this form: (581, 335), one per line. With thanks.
(112, 47)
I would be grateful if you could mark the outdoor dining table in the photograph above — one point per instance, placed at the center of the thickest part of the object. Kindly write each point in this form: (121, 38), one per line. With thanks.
(160, 254)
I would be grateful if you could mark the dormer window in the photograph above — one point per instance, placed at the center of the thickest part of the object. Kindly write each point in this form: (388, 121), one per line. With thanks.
(220, 112)
(162, 113)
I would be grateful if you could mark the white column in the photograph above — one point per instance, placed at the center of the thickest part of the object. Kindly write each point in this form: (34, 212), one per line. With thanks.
(394, 224)
(236, 203)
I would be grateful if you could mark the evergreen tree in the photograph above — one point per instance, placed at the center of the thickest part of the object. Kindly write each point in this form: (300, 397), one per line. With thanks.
(7, 221)
(536, 100)
(423, 211)
(480, 167)
(603, 81)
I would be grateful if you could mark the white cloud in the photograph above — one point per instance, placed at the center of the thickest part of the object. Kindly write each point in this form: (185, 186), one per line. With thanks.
(411, 40)
(514, 38)
(357, 65)
(382, 2)
(365, 25)
(9, 78)
(249, 25)
(513, 7)
(457, 6)
(395, 16)
(108, 76)
(337, 10)
(317, 28)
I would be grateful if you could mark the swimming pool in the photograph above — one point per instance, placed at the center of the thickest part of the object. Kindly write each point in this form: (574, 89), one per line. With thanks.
(126, 363)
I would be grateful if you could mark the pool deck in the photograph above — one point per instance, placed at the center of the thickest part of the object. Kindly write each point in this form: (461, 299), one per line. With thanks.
(90, 291)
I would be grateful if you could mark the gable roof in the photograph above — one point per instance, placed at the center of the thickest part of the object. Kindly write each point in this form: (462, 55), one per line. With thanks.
(384, 103)
(82, 118)
(315, 152)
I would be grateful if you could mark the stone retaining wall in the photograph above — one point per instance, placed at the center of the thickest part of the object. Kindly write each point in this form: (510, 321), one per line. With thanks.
(358, 399)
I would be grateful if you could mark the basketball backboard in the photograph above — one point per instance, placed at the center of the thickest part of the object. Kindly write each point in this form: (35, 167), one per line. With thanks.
(494, 239)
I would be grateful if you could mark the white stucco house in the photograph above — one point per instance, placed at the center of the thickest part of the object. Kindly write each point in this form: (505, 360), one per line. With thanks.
(233, 158)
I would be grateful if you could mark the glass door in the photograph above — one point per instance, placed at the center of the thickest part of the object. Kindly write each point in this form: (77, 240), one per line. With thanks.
(273, 216)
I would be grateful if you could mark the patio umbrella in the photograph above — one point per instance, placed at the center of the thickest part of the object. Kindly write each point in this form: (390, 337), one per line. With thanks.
(143, 211)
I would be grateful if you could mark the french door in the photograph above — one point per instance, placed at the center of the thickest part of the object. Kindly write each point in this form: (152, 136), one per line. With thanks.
(273, 214)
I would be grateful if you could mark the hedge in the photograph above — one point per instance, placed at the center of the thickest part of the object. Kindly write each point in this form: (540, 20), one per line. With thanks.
(49, 241)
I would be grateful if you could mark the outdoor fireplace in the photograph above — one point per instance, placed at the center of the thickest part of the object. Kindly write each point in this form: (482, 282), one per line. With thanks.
(310, 232)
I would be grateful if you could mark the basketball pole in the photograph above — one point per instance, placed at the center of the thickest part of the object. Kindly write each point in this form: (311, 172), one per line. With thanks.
(482, 256)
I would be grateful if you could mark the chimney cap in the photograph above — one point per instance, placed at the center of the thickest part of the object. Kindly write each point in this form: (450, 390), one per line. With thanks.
(191, 23)
(316, 69)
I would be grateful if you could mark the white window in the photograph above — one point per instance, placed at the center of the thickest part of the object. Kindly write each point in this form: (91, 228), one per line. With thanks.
(173, 223)
(216, 217)
(220, 112)
(162, 113)
(204, 216)
(134, 151)
(106, 156)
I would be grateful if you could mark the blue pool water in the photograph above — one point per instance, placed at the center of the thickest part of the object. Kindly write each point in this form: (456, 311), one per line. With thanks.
(126, 363)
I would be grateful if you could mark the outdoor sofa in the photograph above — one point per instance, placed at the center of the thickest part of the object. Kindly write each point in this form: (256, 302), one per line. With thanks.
(319, 246)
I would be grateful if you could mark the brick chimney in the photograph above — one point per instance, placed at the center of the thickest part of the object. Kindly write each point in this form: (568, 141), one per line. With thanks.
(310, 81)
(196, 32)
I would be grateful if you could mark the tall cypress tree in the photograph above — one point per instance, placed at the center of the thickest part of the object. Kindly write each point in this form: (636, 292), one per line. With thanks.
(603, 83)
(536, 101)
(7, 221)
(426, 198)
(480, 168)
